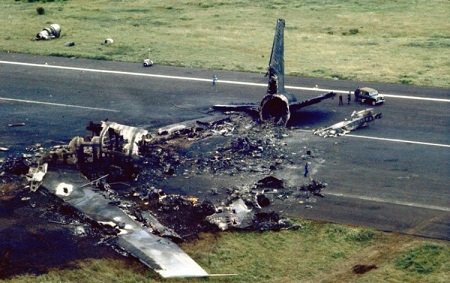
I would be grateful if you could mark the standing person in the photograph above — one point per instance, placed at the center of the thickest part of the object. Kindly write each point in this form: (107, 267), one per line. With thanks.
(340, 100)
(214, 80)
(349, 97)
(306, 170)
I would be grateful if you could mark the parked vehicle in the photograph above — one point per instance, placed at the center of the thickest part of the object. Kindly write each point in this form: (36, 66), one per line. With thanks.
(368, 95)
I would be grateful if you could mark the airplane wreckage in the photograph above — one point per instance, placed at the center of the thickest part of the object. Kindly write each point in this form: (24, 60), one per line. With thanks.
(116, 177)
(358, 119)
(277, 105)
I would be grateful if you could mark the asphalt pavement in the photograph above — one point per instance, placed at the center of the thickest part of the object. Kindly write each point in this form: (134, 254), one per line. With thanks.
(393, 175)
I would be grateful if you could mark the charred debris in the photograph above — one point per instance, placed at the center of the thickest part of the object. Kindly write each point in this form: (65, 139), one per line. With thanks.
(124, 198)
(129, 166)
(358, 119)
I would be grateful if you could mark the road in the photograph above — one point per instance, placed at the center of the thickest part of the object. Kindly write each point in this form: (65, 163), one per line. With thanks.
(393, 175)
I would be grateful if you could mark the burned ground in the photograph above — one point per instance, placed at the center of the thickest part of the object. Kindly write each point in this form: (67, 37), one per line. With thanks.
(39, 232)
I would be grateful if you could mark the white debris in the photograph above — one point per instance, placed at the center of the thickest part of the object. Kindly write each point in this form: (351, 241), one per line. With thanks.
(108, 41)
(50, 32)
(359, 119)
(237, 214)
(36, 175)
(148, 63)
(169, 130)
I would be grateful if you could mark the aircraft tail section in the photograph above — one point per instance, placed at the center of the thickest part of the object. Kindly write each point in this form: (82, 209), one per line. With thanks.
(276, 63)
(277, 104)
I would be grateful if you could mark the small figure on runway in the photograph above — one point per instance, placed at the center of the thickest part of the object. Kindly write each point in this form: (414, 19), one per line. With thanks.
(306, 170)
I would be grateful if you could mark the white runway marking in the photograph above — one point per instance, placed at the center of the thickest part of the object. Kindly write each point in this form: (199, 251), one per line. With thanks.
(57, 104)
(398, 202)
(210, 80)
(398, 140)
(386, 139)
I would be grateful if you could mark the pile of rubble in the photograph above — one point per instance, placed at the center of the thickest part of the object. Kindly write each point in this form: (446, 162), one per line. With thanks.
(220, 149)
(131, 175)
(127, 168)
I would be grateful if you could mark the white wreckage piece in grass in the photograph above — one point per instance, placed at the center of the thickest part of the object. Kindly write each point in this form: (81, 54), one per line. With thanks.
(50, 32)
(237, 214)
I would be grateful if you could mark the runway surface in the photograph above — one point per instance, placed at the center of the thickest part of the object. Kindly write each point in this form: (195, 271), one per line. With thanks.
(393, 175)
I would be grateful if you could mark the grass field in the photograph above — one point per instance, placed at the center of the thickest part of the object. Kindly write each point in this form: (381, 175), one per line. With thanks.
(402, 41)
(315, 253)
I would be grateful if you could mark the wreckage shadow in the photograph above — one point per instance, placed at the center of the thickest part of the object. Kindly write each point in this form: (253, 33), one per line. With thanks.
(310, 118)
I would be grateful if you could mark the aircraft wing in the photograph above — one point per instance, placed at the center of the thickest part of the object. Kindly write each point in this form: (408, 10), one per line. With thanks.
(297, 105)
(250, 108)
(160, 254)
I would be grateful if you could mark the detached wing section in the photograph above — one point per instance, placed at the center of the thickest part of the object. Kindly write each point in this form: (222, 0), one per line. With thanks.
(297, 105)
(158, 253)
(249, 108)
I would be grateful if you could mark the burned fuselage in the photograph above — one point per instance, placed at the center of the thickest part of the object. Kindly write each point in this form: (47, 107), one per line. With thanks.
(110, 145)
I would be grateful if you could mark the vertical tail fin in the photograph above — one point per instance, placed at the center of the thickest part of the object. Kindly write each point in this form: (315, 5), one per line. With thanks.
(276, 63)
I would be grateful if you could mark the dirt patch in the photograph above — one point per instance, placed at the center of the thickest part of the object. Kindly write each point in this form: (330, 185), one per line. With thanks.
(385, 249)
(363, 268)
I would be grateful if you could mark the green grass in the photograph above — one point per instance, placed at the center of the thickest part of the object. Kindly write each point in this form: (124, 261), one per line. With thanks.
(424, 259)
(399, 41)
(317, 252)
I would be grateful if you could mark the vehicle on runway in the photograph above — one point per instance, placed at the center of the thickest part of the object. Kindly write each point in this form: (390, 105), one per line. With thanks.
(277, 104)
(368, 95)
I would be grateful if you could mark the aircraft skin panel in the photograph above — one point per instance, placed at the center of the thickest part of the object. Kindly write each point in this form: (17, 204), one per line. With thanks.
(160, 254)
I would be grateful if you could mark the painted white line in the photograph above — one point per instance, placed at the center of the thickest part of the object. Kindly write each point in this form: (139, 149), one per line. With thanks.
(398, 140)
(57, 104)
(105, 71)
(416, 97)
(399, 202)
(386, 139)
(209, 80)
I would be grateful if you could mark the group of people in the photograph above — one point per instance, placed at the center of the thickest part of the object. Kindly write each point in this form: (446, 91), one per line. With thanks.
(349, 98)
